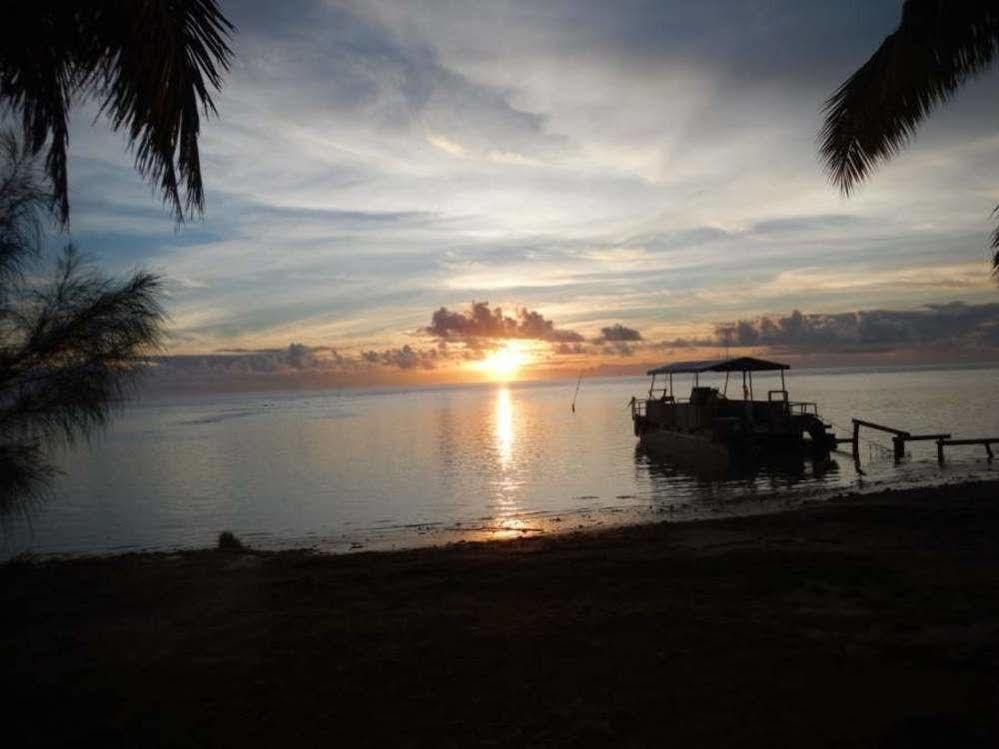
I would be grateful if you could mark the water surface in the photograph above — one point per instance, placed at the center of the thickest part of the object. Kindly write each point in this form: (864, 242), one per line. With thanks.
(343, 470)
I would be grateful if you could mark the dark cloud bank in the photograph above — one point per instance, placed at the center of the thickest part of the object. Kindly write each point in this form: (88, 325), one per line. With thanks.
(482, 322)
(957, 324)
(455, 336)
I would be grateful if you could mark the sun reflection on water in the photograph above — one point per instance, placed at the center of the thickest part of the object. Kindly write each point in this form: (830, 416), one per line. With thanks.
(503, 426)
(508, 528)
(506, 483)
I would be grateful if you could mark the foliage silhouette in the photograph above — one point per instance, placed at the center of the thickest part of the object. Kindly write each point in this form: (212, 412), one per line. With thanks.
(148, 63)
(938, 47)
(70, 345)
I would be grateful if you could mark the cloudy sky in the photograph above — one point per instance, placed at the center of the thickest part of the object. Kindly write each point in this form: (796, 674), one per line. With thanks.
(632, 174)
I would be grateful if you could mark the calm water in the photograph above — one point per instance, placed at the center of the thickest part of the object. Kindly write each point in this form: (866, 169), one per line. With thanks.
(342, 470)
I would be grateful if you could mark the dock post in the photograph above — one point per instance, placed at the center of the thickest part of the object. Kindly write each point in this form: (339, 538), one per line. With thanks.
(898, 443)
(856, 441)
(988, 449)
(940, 447)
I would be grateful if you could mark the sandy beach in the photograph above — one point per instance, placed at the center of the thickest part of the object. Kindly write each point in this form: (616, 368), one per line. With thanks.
(864, 621)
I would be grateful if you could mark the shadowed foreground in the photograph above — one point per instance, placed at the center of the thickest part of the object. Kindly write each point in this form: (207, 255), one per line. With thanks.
(873, 621)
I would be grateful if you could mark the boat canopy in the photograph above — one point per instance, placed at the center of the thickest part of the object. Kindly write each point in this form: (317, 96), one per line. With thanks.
(740, 364)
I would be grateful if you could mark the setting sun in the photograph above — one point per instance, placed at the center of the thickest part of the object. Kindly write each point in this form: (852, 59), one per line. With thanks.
(505, 362)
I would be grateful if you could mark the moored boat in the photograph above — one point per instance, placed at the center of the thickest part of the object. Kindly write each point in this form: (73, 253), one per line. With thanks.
(712, 426)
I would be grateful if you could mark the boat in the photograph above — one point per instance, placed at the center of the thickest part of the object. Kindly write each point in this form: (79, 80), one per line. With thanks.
(711, 426)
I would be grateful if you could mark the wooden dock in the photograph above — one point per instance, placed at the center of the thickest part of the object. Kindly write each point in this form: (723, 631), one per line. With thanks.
(986, 441)
(899, 438)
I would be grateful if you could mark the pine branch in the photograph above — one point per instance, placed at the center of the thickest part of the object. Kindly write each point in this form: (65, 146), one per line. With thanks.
(70, 348)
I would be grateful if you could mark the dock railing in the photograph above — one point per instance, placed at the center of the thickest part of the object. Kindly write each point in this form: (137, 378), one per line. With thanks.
(945, 441)
(899, 438)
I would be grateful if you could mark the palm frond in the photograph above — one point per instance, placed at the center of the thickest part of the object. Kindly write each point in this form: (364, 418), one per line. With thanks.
(37, 80)
(938, 46)
(150, 63)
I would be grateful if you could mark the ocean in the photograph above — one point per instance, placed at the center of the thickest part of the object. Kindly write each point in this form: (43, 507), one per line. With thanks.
(344, 470)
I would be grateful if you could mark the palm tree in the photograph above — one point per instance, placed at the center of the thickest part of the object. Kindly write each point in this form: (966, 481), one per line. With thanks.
(70, 346)
(148, 63)
(938, 47)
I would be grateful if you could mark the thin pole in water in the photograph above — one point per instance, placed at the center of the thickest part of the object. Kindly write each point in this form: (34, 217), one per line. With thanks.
(577, 392)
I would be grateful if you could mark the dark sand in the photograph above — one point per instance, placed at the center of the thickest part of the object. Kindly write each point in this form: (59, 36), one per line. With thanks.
(872, 621)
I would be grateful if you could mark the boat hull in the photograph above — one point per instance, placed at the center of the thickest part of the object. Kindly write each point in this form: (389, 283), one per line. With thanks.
(690, 448)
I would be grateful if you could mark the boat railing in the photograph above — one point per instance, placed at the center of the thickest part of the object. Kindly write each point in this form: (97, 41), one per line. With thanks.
(805, 407)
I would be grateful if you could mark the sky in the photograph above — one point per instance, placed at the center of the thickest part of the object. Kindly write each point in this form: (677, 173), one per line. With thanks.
(460, 190)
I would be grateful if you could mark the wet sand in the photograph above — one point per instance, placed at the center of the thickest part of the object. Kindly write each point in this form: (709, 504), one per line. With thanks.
(866, 621)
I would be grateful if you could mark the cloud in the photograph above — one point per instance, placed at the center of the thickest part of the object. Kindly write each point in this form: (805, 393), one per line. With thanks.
(405, 357)
(652, 163)
(614, 340)
(296, 358)
(956, 323)
(300, 356)
(479, 321)
(619, 332)
(471, 334)
(334, 60)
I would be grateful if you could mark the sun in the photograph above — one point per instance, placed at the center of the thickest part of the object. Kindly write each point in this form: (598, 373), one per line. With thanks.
(505, 362)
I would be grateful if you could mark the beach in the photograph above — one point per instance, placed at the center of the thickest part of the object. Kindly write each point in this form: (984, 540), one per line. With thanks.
(503, 374)
(865, 621)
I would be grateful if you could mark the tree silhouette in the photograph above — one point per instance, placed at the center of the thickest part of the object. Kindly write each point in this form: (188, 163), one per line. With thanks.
(938, 47)
(148, 63)
(70, 346)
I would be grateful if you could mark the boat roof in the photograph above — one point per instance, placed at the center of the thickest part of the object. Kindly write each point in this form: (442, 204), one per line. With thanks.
(739, 364)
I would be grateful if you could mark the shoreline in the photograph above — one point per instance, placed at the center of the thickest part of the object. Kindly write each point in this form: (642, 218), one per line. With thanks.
(868, 620)
(525, 526)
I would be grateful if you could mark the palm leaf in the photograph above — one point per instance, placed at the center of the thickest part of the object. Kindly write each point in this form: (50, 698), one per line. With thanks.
(150, 63)
(938, 47)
